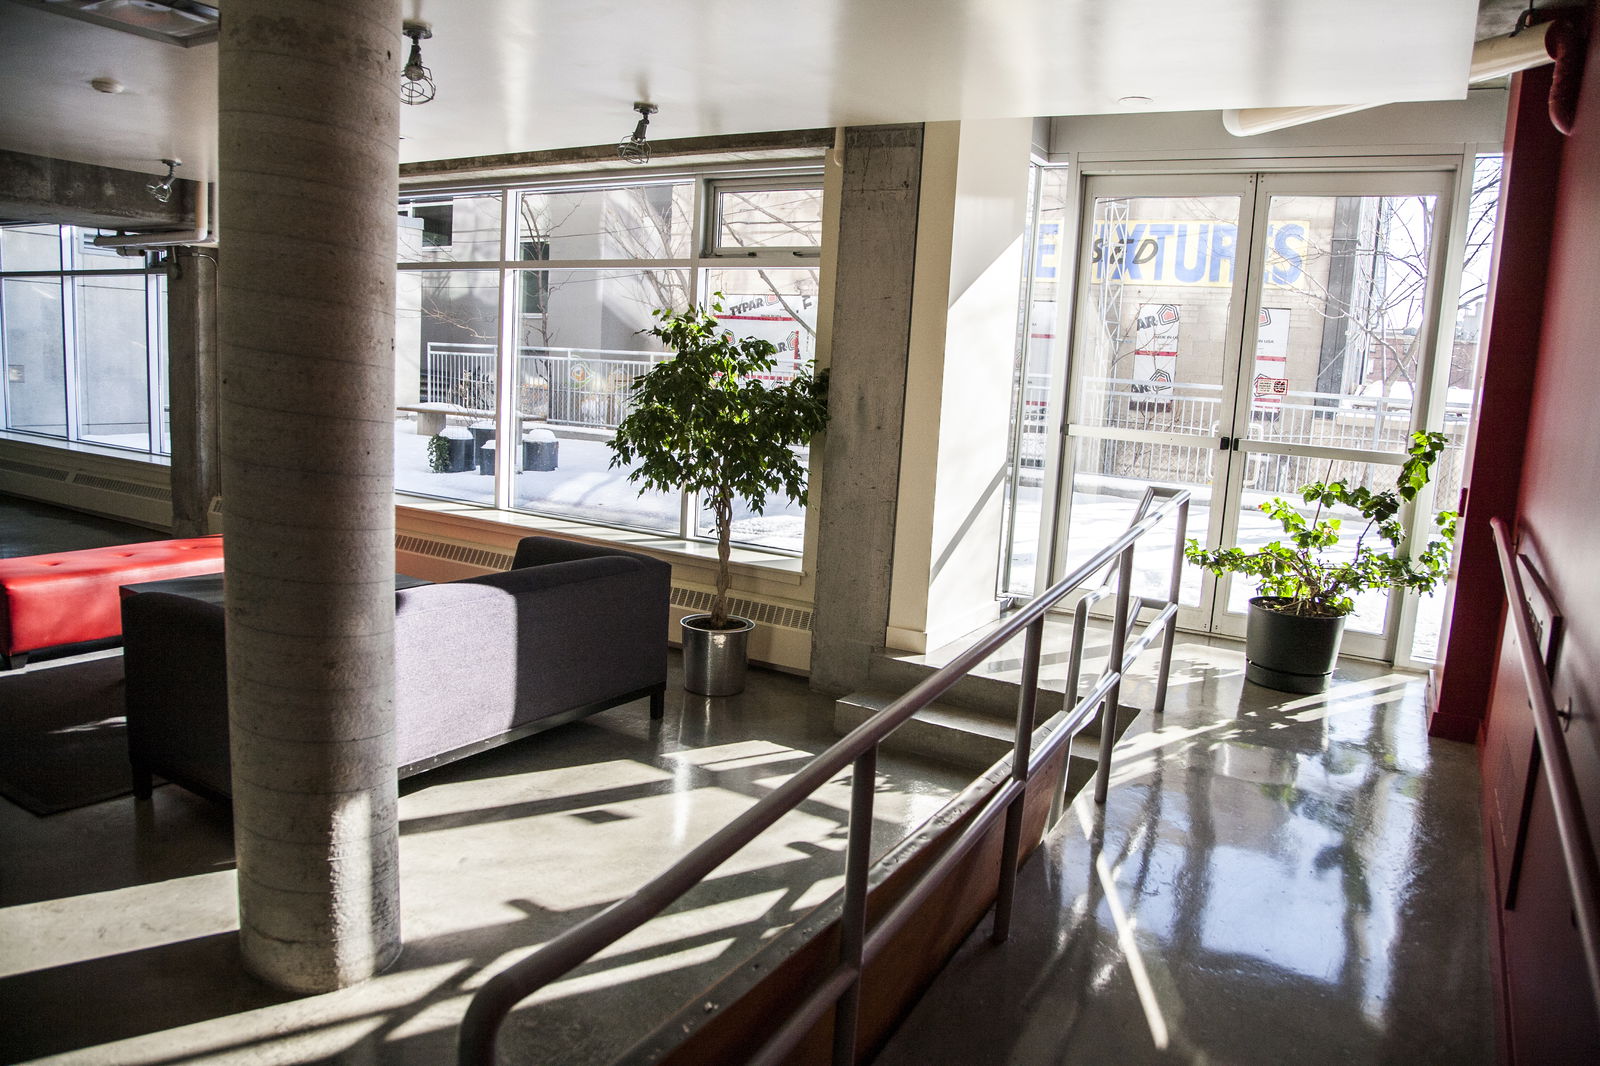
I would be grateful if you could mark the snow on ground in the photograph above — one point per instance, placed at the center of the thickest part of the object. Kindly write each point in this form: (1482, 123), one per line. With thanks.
(584, 486)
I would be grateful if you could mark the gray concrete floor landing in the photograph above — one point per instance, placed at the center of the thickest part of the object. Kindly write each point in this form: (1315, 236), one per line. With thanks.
(1273, 879)
(118, 921)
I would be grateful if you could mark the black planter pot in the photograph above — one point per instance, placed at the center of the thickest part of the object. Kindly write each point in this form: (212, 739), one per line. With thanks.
(486, 457)
(1290, 652)
(460, 456)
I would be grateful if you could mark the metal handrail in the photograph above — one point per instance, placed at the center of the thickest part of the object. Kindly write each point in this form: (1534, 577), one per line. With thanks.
(858, 945)
(1577, 848)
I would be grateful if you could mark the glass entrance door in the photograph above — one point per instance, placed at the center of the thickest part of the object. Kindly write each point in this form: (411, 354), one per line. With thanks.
(1240, 336)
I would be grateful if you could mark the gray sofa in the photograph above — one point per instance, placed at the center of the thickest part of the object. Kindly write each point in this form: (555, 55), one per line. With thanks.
(567, 631)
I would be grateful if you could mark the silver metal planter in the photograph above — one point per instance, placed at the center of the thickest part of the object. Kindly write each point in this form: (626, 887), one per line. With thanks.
(714, 659)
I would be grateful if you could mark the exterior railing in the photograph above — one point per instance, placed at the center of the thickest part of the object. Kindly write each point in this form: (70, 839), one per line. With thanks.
(1318, 419)
(566, 386)
(1577, 848)
(858, 944)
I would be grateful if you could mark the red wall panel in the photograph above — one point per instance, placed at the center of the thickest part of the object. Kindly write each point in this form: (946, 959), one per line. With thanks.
(1551, 1014)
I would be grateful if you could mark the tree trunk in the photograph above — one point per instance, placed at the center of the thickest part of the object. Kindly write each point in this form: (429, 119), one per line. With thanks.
(719, 606)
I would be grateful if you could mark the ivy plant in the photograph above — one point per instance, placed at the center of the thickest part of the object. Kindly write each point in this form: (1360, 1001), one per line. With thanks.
(1297, 569)
(704, 422)
(438, 454)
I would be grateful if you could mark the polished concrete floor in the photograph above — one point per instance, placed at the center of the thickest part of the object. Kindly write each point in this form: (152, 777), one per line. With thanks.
(1275, 879)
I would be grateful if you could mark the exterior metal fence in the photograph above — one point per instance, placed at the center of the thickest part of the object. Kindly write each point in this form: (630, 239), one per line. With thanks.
(1329, 420)
(566, 386)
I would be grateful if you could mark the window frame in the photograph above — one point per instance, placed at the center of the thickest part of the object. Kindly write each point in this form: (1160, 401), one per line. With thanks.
(73, 253)
(712, 223)
(513, 271)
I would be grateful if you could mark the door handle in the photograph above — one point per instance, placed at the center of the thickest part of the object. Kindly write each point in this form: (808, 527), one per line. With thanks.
(1225, 443)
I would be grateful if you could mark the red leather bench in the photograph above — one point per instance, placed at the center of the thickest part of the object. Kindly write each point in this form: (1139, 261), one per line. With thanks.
(67, 597)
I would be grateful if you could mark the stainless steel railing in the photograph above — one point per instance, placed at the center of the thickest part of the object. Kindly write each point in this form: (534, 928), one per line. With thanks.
(859, 945)
(1577, 848)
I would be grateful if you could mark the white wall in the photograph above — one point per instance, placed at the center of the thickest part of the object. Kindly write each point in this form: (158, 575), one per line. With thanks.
(971, 227)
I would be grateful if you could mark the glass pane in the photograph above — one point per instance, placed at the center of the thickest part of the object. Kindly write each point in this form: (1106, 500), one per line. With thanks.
(1268, 475)
(1460, 390)
(769, 218)
(580, 349)
(1339, 339)
(1037, 392)
(446, 353)
(163, 375)
(780, 306)
(1109, 479)
(1155, 316)
(450, 229)
(35, 354)
(113, 361)
(636, 222)
(30, 248)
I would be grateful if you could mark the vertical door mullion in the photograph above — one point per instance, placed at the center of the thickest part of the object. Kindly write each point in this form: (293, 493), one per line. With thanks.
(1249, 283)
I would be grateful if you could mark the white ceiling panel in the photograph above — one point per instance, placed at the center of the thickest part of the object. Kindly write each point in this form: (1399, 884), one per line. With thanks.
(523, 75)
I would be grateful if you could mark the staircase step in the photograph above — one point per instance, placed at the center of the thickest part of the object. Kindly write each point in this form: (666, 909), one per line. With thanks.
(991, 697)
(959, 736)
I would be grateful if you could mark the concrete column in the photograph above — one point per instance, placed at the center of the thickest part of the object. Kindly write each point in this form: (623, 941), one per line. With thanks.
(871, 323)
(309, 121)
(193, 404)
(970, 232)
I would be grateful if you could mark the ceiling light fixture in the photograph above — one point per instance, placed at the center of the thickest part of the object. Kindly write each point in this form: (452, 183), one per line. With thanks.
(162, 190)
(416, 85)
(634, 148)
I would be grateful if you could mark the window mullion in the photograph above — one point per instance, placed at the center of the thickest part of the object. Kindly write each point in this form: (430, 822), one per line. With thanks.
(152, 362)
(508, 436)
(69, 333)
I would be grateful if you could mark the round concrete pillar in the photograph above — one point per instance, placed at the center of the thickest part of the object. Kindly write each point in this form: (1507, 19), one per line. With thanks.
(309, 134)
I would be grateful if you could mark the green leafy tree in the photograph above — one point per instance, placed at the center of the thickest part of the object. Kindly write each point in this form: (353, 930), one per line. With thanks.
(1297, 568)
(703, 422)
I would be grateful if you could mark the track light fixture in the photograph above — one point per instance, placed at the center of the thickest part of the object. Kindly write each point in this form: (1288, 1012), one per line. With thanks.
(634, 148)
(162, 190)
(416, 84)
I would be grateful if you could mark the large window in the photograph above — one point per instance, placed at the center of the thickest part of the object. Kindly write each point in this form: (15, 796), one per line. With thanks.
(83, 340)
(520, 325)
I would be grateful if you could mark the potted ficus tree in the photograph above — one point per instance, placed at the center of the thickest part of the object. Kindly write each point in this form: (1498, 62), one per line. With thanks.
(704, 421)
(1307, 586)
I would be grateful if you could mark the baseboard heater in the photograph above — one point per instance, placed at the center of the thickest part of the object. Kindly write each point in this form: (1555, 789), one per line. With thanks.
(699, 600)
(139, 502)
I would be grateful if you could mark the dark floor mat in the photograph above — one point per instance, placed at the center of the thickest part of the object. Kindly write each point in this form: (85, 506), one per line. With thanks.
(63, 736)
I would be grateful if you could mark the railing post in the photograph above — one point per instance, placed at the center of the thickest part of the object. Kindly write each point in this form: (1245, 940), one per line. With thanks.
(1119, 644)
(853, 918)
(1021, 756)
(1174, 591)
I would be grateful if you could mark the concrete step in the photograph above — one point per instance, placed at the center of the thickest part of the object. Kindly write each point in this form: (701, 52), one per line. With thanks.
(991, 697)
(959, 736)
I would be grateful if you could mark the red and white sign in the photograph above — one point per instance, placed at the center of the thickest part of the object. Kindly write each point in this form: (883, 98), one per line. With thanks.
(1271, 381)
(1155, 347)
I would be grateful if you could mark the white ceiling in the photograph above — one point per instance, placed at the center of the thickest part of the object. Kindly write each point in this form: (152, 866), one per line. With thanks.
(522, 75)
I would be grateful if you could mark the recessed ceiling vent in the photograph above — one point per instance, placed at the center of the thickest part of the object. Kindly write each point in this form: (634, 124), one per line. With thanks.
(180, 22)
